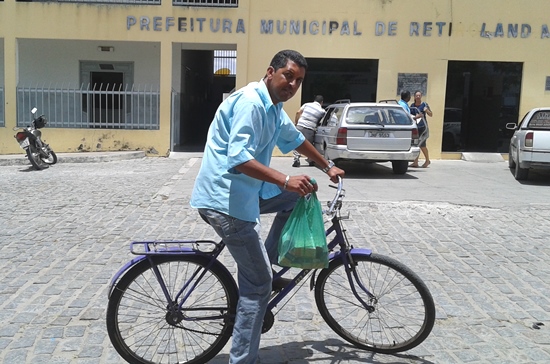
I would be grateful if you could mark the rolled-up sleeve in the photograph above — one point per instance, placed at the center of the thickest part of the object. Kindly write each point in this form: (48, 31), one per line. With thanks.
(290, 138)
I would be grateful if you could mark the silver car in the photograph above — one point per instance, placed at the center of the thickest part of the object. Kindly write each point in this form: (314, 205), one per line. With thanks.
(371, 132)
(530, 144)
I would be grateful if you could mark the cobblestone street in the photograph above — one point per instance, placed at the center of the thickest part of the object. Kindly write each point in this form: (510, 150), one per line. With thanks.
(65, 231)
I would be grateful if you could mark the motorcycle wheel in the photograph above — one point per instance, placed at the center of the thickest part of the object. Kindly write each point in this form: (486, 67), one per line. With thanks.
(34, 157)
(52, 157)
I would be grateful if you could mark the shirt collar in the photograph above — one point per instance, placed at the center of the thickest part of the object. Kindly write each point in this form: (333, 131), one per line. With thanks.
(266, 98)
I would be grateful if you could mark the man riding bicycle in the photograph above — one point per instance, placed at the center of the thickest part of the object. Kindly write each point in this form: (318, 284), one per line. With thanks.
(235, 185)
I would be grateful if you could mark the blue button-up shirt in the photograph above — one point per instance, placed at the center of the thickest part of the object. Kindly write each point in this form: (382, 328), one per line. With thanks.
(246, 126)
(404, 105)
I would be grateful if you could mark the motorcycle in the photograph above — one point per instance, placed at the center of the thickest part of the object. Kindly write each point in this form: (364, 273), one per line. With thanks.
(30, 139)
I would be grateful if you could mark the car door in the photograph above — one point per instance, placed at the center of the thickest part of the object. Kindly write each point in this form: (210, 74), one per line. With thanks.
(517, 137)
(323, 134)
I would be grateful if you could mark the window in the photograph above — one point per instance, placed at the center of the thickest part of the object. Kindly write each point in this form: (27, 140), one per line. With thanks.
(540, 120)
(207, 3)
(225, 63)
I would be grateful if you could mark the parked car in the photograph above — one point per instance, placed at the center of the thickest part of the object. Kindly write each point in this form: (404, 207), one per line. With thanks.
(370, 132)
(530, 144)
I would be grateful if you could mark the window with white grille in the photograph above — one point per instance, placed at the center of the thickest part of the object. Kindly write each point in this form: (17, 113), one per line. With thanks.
(210, 3)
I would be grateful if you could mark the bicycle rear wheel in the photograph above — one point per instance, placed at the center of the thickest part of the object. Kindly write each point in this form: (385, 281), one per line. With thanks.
(403, 312)
(145, 328)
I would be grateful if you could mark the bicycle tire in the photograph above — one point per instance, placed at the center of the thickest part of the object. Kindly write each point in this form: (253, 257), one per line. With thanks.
(404, 310)
(138, 320)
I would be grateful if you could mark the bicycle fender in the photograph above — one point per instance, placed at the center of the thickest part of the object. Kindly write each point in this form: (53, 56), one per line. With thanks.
(121, 272)
(361, 251)
(358, 251)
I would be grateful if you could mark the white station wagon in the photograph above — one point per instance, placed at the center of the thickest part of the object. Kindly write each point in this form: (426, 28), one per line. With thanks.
(370, 132)
(530, 144)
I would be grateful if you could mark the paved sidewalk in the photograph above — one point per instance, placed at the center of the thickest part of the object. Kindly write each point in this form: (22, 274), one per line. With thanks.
(475, 235)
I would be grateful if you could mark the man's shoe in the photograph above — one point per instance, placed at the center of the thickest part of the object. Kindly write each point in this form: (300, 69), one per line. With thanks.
(296, 163)
(280, 283)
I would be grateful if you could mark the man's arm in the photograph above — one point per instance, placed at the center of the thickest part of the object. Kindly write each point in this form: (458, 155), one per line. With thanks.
(298, 114)
(299, 184)
(307, 149)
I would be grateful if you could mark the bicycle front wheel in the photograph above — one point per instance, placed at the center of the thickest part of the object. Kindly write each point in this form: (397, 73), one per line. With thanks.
(400, 312)
(145, 327)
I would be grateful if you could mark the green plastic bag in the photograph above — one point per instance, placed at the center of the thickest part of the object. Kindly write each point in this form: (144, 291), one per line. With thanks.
(303, 243)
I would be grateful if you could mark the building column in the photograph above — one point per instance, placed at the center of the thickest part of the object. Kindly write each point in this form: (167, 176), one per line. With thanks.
(10, 82)
(165, 95)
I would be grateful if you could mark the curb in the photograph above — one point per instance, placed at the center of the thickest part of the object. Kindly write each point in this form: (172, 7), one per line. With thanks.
(83, 157)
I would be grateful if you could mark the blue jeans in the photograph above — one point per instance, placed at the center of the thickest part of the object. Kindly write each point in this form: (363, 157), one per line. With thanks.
(253, 259)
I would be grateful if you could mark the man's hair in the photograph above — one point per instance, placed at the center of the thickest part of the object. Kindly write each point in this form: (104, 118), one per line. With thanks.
(319, 99)
(405, 94)
(281, 59)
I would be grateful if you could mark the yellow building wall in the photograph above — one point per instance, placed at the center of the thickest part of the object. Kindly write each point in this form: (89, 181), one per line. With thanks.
(396, 50)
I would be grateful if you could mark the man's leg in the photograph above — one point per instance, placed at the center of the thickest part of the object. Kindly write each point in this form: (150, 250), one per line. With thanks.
(243, 240)
(282, 204)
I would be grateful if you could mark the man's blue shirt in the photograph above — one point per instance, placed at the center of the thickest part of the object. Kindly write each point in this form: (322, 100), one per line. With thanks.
(405, 106)
(246, 126)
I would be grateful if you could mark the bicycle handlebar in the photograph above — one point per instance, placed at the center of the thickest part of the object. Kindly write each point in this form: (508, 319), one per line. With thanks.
(333, 205)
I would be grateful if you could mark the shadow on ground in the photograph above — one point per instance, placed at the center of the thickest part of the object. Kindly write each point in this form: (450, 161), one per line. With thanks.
(330, 351)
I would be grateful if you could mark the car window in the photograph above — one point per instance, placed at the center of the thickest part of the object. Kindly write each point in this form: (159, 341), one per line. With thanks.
(540, 120)
(377, 116)
(522, 120)
(399, 117)
(332, 116)
(327, 117)
(335, 116)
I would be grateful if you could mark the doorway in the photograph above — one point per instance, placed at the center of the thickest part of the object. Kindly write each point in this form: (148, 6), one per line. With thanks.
(107, 105)
(336, 79)
(481, 97)
(103, 103)
(202, 90)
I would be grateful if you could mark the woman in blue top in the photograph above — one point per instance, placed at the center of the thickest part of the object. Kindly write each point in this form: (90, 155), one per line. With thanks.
(420, 107)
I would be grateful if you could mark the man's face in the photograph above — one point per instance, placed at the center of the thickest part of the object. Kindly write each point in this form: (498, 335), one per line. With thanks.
(283, 83)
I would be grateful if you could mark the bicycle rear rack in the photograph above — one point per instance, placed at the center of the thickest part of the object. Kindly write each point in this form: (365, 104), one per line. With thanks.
(174, 247)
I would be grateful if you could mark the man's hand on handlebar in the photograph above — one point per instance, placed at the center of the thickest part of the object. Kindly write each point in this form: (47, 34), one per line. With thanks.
(334, 173)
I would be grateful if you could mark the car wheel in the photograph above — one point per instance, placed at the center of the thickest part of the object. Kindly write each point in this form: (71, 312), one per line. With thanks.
(400, 167)
(511, 163)
(520, 173)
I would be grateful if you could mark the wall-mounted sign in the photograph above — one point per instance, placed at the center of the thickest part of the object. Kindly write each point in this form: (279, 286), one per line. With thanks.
(330, 27)
(412, 82)
(547, 87)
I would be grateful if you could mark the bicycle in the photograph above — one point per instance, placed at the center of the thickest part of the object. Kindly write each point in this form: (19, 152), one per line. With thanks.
(176, 301)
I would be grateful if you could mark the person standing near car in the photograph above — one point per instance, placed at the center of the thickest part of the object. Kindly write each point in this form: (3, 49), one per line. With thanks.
(307, 119)
(235, 185)
(422, 109)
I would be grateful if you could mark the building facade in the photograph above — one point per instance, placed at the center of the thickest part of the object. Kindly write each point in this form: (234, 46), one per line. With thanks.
(149, 74)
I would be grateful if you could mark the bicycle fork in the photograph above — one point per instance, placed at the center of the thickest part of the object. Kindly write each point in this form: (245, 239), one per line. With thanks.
(354, 279)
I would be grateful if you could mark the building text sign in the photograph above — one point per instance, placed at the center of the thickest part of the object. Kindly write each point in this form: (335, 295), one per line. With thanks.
(324, 27)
